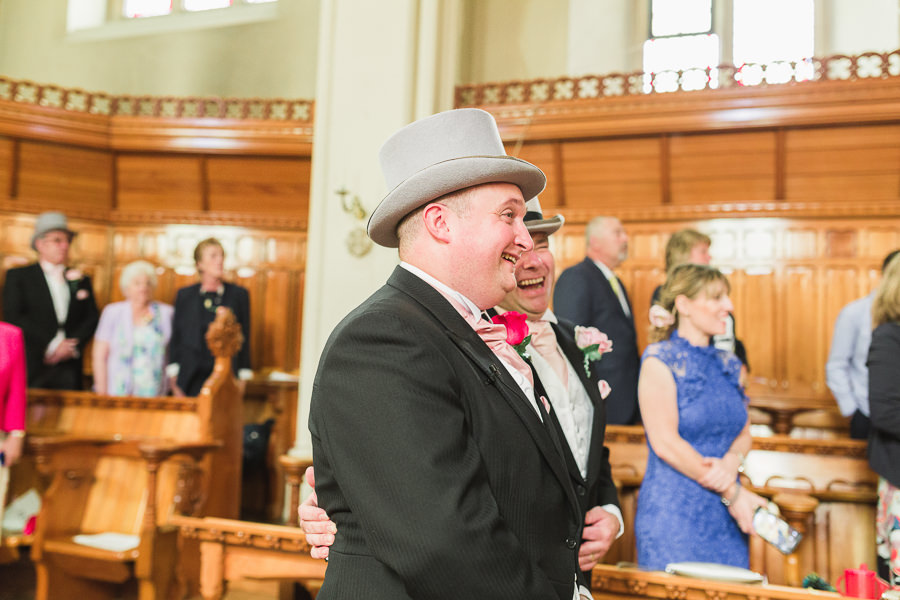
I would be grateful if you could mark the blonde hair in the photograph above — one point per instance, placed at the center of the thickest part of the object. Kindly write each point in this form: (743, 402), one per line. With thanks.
(689, 280)
(203, 245)
(886, 306)
(679, 246)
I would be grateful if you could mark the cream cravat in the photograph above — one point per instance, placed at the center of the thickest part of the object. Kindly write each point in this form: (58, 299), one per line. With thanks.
(543, 340)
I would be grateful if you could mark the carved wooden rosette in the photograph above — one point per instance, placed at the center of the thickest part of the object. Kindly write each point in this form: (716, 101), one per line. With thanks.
(224, 335)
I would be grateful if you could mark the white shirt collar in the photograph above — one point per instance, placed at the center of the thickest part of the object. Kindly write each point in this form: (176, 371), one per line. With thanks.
(607, 272)
(471, 306)
(51, 268)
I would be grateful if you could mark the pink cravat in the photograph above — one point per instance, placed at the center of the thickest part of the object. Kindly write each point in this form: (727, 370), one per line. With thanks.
(494, 336)
(543, 340)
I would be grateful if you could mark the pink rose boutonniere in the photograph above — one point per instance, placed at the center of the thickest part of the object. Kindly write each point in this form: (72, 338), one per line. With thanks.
(74, 277)
(517, 334)
(593, 344)
(604, 389)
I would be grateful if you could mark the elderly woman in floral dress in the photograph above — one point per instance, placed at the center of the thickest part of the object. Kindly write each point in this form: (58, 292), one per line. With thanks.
(130, 346)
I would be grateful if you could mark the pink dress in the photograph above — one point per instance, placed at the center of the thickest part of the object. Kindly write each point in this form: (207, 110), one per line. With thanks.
(12, 378)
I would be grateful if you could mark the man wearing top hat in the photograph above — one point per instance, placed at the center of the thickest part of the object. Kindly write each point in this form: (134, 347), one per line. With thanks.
(53, 305)
(433, 455)
(575, 393)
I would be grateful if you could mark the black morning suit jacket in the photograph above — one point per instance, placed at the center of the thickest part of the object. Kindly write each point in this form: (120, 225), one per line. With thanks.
(599, 488)
(884, 402)
(188, 345)
(440, 476)
(27, 303)
(584, 297)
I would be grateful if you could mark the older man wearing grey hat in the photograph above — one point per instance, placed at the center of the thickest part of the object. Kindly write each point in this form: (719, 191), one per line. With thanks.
(53, 305)
(434, 456)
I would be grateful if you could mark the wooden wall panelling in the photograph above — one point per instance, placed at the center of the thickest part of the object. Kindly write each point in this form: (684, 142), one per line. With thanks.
(547, 156)
(158, 182)
(66, 176)
(605, 175)
(722, 167)
(271, 185)
(7, 166)
(843, 163)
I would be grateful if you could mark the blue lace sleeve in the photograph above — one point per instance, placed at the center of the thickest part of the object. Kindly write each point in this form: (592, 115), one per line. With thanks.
(732, 367)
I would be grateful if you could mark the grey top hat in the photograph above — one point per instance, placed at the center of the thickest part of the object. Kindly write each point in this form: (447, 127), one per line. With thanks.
(535, 221)
(441, 154)
(50, 221)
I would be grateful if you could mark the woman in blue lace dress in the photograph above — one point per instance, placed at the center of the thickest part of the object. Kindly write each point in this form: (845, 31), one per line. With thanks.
(691, 506)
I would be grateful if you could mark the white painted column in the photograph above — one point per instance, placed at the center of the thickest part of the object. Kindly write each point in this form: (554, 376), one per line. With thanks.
(381, 65)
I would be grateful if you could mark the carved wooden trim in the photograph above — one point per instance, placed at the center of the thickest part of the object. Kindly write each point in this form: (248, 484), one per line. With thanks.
(616, 582)
(187, 217)
(101, 103)
(238, 533)
(839, 67)
(826, 103)
(842, 447)
(160, 130)
(91, 400)
(775, 208)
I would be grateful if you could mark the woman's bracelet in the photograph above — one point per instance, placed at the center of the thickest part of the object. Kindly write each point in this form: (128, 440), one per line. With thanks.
(734, 496)
(741, 458)
(16, 433)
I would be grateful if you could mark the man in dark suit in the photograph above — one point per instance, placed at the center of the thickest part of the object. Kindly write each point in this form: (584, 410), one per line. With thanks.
(579, 410)
(579, 414)
(434, 458)
(590, 294)
(54, 306)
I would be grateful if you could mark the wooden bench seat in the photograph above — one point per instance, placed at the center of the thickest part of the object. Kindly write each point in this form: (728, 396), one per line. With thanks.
(126, 465)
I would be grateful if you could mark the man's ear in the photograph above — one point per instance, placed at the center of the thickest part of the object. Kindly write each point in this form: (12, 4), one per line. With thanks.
(436, 218)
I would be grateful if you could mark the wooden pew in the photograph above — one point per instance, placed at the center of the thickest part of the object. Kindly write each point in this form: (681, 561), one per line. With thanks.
(231, 550)
(616, 583)
(834, 472)
(126, 465)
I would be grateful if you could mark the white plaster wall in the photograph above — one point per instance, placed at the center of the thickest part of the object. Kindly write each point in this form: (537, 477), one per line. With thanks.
(275, 58)
(857, 26)
(514, 39)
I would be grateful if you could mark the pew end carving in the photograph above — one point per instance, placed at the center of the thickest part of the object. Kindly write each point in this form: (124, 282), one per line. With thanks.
(127, 465)
(232, 550)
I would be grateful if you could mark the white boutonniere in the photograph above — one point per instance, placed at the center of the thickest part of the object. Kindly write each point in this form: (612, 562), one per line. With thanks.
(593, 344)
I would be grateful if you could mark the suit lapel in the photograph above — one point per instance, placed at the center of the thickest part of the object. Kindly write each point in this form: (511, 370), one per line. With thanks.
(606, 286)
(495, 374)
(576, 357)
(42, 296)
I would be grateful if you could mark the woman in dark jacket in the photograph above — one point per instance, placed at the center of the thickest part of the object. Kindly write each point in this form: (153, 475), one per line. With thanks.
(195, 309)
(884, 402)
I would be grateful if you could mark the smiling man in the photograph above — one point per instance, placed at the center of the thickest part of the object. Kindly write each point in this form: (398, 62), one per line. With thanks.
(579, 410)
(434, 457)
